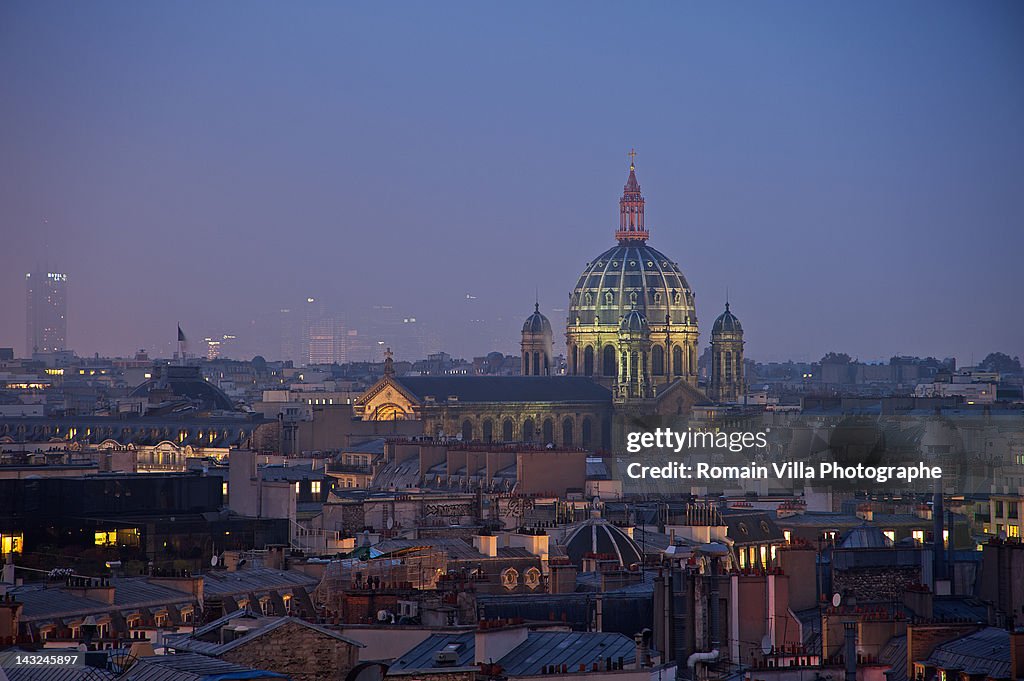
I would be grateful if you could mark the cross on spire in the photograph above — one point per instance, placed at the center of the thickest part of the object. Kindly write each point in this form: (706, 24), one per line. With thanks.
(632, 158)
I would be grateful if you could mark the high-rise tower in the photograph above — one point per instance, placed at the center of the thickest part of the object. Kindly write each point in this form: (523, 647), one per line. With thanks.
(46, 312)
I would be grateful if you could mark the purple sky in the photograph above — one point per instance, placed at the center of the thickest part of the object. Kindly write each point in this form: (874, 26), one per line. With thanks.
(853, 173)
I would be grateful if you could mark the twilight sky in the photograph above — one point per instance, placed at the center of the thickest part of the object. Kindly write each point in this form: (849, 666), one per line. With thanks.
(853, 173)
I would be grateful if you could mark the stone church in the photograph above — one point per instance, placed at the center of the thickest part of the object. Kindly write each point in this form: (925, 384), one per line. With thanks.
(631, 359)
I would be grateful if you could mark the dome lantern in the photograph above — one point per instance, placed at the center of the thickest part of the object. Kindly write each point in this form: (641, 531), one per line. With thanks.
(631, 209)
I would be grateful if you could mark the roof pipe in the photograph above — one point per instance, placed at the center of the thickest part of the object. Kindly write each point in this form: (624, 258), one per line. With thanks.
(715, 551)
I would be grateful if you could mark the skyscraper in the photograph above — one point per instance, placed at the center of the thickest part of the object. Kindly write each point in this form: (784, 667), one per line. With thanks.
(46, 311)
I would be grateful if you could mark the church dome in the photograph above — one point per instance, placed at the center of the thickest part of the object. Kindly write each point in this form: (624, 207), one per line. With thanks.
(537, 322)
(629, 275)
(726, 323)
(598, 536)
(632, 275)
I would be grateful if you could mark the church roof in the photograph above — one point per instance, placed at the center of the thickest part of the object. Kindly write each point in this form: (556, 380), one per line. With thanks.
(505, 388)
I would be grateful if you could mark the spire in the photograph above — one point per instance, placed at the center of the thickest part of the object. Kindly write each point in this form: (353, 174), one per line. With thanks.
(631, 208)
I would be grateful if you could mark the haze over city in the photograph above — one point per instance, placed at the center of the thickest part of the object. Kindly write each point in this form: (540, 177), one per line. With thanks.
(850, 174)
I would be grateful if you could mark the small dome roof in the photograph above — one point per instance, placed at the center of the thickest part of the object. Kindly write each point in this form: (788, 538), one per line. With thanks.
(536, 323)
(600, 536)
(634, 322)
(184, 382)
(727, 323)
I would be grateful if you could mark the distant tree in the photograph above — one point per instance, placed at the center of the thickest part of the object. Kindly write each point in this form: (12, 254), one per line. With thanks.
(836, 358)
(1001, 362)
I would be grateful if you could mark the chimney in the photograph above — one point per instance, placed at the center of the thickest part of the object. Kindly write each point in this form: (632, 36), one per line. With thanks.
(850, 631)
(643, 648)
(10, 619)
(95, 588)
(495, 642)
(1017, 653)
(183, 581)
(938, 555)
(919, 600)
(563, 577)
(487, 545)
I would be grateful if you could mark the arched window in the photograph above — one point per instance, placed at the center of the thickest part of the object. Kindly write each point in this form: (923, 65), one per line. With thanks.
(488, 428)
(528, 430)
(609, 298)
(658, 360)
(588, 361)
(506, 430)
(677, 360)
(575, 360)
(567, 428)
(588, 299)
(586, 432)
(467, 431)
(536, 364)
(549, 431)
(692, 363)
(608, 361)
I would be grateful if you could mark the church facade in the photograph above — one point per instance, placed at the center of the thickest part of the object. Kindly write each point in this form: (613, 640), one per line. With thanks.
(631, 358)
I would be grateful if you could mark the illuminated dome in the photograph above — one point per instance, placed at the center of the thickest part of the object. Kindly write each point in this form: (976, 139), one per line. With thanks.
(632, 276)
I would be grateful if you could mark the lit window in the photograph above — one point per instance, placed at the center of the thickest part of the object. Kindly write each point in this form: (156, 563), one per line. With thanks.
(788, 536)
(918, 536)
(105, 538)
(1013, 531)
(224, 490)
(316, 487)
(296, 487)
(891, 534)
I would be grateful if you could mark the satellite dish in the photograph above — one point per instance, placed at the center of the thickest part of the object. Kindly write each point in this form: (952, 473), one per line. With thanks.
(390, 522)
(837, 599)
(766, 644)
(214, 561)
